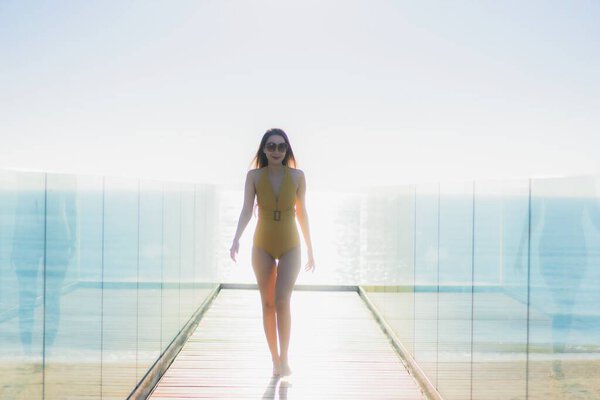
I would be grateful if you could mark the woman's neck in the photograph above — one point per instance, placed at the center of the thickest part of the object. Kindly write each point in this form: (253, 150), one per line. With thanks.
(275, 168)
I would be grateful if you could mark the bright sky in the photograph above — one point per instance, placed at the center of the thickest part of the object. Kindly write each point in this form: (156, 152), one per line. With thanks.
(370, 92)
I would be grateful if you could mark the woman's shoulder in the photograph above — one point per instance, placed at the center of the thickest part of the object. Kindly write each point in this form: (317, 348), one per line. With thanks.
(296, 171)
(254, 175)
(296, 174)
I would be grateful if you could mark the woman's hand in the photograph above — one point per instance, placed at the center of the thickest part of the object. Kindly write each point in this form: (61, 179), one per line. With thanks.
(235, 247)
(310, 264)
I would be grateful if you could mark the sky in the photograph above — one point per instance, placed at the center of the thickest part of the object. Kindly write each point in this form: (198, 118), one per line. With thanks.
(370, 92)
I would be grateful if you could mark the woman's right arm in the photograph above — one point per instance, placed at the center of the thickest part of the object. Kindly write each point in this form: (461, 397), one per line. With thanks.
(246, 214)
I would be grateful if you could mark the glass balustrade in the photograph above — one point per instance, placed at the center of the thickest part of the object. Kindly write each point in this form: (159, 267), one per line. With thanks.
(97, 276)
(492, 287)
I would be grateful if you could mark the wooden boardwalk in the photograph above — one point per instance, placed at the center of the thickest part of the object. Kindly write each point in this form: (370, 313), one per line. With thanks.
(337, 351)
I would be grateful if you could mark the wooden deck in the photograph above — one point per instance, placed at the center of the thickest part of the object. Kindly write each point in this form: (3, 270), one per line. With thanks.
(337, 351)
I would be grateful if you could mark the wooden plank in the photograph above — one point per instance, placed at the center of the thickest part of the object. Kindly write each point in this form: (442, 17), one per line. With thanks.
(337, 351)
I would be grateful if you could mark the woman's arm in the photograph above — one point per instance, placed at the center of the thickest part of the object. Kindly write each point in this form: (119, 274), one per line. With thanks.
(245, 215)
(302, 216)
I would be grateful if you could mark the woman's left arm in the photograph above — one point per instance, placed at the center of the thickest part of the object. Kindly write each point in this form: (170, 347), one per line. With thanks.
(302, 216)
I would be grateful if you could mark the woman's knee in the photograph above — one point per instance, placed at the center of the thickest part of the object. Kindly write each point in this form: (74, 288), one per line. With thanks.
(268, 305)
(282, 300)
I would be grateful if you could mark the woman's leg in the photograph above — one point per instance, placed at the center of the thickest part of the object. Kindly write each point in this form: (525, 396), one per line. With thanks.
(266, 274)
(287, 272)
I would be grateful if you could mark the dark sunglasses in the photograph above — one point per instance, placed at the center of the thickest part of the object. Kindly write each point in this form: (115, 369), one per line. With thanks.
(281, 147)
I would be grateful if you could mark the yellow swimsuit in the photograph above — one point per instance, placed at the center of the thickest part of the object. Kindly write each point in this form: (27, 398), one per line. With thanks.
(276, 230)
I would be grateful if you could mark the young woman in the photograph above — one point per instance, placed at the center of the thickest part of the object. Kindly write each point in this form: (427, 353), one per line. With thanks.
(280, 192)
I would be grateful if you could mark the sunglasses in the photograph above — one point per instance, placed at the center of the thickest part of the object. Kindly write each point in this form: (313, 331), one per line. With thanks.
(281, 147)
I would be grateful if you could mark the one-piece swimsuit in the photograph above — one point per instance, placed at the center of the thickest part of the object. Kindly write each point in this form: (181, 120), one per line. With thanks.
(276, 230)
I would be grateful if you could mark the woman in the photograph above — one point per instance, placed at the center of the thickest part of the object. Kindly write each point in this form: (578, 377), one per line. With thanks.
(280, 192)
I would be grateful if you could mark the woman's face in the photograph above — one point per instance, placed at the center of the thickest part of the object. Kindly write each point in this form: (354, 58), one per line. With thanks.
(275, 149)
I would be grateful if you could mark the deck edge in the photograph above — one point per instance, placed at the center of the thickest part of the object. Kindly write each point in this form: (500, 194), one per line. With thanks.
(154, 374)
(427, 388)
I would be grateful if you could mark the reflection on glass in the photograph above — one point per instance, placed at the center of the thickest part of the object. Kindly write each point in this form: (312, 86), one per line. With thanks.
(95, 281)
(87, 267)
(499, 292)
(22, 285)
(565, 226)
(61, 240)
(27, 257)
(506, 284)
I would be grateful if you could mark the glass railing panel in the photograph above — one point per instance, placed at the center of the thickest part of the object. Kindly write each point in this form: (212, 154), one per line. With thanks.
(426, 279)
(202, 250)
(230, 204)
(207, 240)
(399, 304)
(73, 333)
(212, 226)
(334, 219)
(500, 291)
(378, 242)
(455, 297)
(564, 340)
(120, 296)
(149, 314)
(83, 263)
(171, 263)
(200, 235)
(23, 208)
(348, 232)
(187, 274)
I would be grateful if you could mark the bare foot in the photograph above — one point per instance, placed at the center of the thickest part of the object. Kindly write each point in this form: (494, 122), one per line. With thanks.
(276, 368)
(285, 369)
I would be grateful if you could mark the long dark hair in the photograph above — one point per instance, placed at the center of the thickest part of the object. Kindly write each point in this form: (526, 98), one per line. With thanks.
(260, 159)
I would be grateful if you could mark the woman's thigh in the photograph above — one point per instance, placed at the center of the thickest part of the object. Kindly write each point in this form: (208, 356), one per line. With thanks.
(287, 273)
(265, 272)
